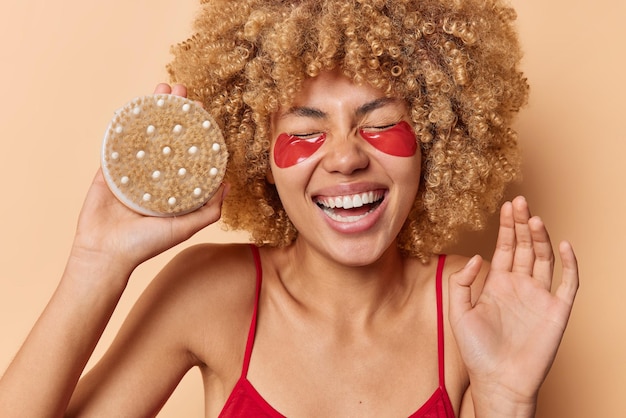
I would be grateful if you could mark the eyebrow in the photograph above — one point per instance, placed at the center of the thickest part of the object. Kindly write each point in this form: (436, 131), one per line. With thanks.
(314, 113)
(304, 111)
(373, 105)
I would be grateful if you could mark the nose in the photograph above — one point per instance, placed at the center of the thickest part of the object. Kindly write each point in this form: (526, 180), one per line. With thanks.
(345, 155)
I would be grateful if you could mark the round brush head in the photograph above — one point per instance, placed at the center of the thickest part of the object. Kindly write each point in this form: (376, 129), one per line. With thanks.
(163, 155)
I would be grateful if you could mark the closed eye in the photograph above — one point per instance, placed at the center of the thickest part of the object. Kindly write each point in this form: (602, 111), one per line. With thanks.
(378, 128)
(308, 135)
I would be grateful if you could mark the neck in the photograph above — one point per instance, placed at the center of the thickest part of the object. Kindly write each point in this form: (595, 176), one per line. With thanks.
(340, 292)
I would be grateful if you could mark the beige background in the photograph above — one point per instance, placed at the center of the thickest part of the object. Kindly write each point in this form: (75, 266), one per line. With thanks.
(67, 65)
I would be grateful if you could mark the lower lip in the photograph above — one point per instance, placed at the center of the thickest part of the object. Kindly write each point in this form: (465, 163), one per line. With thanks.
(365, 223)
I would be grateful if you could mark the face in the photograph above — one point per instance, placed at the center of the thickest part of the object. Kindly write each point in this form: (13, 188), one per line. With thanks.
(346, 165)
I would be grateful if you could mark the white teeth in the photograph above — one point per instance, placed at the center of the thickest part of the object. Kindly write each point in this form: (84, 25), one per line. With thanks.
(352, 201)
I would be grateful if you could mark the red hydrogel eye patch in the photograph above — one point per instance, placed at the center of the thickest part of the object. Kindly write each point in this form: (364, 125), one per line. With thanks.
(291, 150)
(398, 141)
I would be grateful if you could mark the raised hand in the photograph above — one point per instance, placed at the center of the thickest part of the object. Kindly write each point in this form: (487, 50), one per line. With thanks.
(509, 337)
(110, 232)
(111, 240)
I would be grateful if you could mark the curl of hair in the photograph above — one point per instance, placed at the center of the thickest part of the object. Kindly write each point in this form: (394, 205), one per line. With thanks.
(455, 62)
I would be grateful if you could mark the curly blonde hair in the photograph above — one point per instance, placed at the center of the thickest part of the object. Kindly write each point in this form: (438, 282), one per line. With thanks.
(455, 62)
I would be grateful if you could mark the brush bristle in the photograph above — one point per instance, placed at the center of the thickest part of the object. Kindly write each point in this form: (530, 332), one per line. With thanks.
(163, 155)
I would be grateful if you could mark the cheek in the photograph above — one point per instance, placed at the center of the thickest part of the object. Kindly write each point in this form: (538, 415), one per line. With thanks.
(290, 150)
(398, 141)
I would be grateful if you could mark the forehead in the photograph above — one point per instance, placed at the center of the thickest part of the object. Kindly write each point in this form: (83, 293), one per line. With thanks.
(332, 90)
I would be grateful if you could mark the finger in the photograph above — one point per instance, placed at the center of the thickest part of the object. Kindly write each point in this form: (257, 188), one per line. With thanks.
(99, 193)
(460, 292)
(543, 269)
(570, 280)
(179, 90)
(163, 88)
(502, 259)
(211, 212)
(524, 259)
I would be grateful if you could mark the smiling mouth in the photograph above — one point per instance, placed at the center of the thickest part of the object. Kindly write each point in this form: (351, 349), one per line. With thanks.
(350, 208)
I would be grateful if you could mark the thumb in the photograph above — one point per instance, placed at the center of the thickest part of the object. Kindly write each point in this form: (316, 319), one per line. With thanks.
(187, 225)
(460, 292)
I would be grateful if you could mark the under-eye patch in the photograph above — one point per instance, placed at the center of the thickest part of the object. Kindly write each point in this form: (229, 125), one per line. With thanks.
(163, 155)
(399, 140)
(290, 150)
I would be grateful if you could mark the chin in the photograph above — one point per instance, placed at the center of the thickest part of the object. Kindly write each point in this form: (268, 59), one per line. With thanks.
(358, 254)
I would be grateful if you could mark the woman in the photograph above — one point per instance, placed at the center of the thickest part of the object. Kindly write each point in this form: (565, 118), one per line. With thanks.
(363, 135)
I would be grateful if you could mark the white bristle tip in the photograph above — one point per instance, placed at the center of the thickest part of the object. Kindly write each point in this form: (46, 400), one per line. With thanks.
(193, 150)
(137, 110)
(197, 191)
(171, 201)
(141, 154)
(125, 180)
(156, 174)
(160, 102)
(167, 151)
(115, 155)
(206, 124)
(147, 197)
(182, 172)
(151, 129)
(216, 147)
(178, 129)
(213, 172)
(186, 107)
(119, 129)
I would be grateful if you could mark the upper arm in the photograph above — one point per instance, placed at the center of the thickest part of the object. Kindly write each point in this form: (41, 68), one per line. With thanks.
(156, 345)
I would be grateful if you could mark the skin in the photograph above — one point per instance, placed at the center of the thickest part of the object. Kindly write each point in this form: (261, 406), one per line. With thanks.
(335, 303)
(344, 166)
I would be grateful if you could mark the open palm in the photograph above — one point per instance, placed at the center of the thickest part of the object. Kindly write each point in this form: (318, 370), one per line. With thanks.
(509, 337)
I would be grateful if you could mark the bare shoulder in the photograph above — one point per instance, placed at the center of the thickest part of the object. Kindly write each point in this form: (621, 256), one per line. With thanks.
(208, 270)
(209, 292)
(195, 312)
(212, 265)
